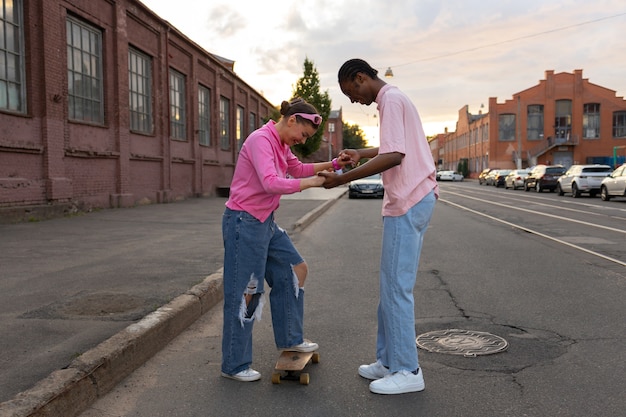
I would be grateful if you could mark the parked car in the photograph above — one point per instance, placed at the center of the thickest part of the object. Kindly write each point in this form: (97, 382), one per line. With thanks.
(614, 185)
(371, 186)
(499, 176)
(483, 175)
(582, 179)
(490, 179)
(515, 179)
(543, 177)
(450, 176)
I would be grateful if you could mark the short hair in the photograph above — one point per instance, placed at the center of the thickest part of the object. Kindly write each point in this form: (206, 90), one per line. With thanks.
(350, 68)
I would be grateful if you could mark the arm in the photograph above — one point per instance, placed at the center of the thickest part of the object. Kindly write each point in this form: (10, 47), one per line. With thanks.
(379, 163)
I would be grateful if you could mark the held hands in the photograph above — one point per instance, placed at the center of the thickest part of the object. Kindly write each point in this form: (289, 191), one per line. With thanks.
(346, 157)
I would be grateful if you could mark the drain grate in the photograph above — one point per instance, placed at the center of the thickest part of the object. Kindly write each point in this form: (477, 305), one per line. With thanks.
(467, 343)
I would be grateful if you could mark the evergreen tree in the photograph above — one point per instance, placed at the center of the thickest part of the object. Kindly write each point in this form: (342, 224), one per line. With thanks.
(353, 137)
(308, 88)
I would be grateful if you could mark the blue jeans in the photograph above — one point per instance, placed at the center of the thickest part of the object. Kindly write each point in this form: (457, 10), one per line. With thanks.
(401, 247)
(255, 252)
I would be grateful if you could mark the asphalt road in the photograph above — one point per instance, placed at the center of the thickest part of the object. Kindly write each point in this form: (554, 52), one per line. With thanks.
(561, 311)
(70, 283)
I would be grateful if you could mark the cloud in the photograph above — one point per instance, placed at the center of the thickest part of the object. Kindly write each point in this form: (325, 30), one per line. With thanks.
(444, 53)
(225, 21)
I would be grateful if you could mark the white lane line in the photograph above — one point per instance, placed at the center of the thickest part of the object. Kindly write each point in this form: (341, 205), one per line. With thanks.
(599, 226)
(525, 229)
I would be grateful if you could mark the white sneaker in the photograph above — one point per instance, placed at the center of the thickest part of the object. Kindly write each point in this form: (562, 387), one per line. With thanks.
(374, 370)
(306, 346)
(399, 383)
(247, 375)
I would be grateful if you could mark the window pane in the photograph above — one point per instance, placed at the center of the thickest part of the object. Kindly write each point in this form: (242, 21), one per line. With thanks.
(84, 72)
(140, 95)
(177, 106)
(12, 90)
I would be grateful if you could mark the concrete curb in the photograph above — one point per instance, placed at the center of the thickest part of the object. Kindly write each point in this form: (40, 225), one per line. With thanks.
(308, 218)
(68, 392)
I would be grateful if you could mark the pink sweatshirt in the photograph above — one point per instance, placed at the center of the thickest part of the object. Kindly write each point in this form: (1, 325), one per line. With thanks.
(261, 173)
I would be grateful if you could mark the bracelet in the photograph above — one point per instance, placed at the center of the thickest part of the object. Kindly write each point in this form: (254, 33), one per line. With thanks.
(336, 166)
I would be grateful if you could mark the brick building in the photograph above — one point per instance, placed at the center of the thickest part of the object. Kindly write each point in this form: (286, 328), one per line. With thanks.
(105, 104)
(564, 119)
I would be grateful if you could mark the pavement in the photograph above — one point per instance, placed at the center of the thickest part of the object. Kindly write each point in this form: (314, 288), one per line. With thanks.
(92, 282)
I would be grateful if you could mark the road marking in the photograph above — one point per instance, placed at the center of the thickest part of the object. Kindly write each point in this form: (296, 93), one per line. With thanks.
(525, 229)
(599, 226)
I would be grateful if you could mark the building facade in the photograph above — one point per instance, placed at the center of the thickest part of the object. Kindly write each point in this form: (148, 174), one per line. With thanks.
(105, 104)
(564, 120)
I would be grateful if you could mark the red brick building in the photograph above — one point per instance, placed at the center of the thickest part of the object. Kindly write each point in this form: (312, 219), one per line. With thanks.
(564, 119)
(104, 104)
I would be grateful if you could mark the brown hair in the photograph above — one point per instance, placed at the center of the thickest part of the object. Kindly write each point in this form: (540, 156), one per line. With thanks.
(298, 105)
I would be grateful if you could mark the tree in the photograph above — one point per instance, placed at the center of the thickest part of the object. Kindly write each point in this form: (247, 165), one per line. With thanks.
(353, 137)
(308, 88)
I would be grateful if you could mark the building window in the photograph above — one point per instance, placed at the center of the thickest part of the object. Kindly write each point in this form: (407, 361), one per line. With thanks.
(241, 126)
(251, 122)
(140, 91)
(12, 88)
(204, 116)
(534, 124)
(84, 72)
(177, 106)
(563, 120)
(591, 121)
(224, 123)
(619, 124)
(506, 127)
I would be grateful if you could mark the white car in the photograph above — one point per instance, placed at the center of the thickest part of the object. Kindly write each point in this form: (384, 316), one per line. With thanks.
(450, 176)
(582, 179)
(614, 185)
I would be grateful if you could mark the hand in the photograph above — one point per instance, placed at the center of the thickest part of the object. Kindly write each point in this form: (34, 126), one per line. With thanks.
(348, 157)
(330, 179)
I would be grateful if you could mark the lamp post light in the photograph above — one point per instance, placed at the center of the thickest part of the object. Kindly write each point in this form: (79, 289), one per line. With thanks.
(331, 129)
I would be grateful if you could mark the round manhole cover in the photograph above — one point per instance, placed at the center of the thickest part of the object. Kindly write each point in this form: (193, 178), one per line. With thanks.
(468, 343)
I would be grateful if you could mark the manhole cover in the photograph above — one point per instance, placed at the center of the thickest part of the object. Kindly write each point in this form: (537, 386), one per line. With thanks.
(468, 343)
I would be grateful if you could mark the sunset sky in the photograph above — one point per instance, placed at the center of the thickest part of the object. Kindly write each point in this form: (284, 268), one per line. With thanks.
(444, 54)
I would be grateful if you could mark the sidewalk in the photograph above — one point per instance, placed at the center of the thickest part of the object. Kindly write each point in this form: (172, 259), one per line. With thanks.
(91, 284)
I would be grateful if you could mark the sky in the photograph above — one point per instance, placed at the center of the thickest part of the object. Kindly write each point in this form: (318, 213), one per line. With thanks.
(444, 54)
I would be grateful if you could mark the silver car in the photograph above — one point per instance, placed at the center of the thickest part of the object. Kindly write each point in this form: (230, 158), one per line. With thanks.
(580, 179)
(614, 185)
(515, 179)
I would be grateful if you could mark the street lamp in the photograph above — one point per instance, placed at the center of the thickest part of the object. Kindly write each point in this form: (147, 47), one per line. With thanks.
(331, 129)
(388, 73)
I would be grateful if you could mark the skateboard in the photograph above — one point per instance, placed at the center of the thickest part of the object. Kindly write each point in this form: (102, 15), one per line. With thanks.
(290, 364)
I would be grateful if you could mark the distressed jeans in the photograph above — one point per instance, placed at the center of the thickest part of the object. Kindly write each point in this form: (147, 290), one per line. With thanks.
(255, 252)
(401, 247)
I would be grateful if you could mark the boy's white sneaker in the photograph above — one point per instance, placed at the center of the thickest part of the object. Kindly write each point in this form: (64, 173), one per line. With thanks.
(374, 370)
(399, 383)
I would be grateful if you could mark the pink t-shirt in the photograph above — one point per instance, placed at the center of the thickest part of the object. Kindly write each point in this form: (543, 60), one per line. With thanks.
(401, 131)
(261, 173)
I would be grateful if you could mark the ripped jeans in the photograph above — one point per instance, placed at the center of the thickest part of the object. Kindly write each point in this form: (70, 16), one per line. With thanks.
(255, 252)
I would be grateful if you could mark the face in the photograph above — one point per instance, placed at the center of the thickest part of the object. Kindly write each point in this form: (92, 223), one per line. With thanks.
(357, 91)
(297, 133)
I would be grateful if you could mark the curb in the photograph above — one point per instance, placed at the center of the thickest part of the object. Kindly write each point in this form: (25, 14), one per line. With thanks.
(308, 218)
(70, 391)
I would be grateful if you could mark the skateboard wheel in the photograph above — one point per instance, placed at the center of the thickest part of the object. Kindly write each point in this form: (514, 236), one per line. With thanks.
(316, 357)
(304, 379)
(275, 378)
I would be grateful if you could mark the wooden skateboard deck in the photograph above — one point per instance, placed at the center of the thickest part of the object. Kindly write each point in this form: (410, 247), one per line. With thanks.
(290, 363)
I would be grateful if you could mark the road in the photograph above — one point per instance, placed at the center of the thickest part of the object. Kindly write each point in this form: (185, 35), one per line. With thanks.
(560, 309)
(585, 224)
